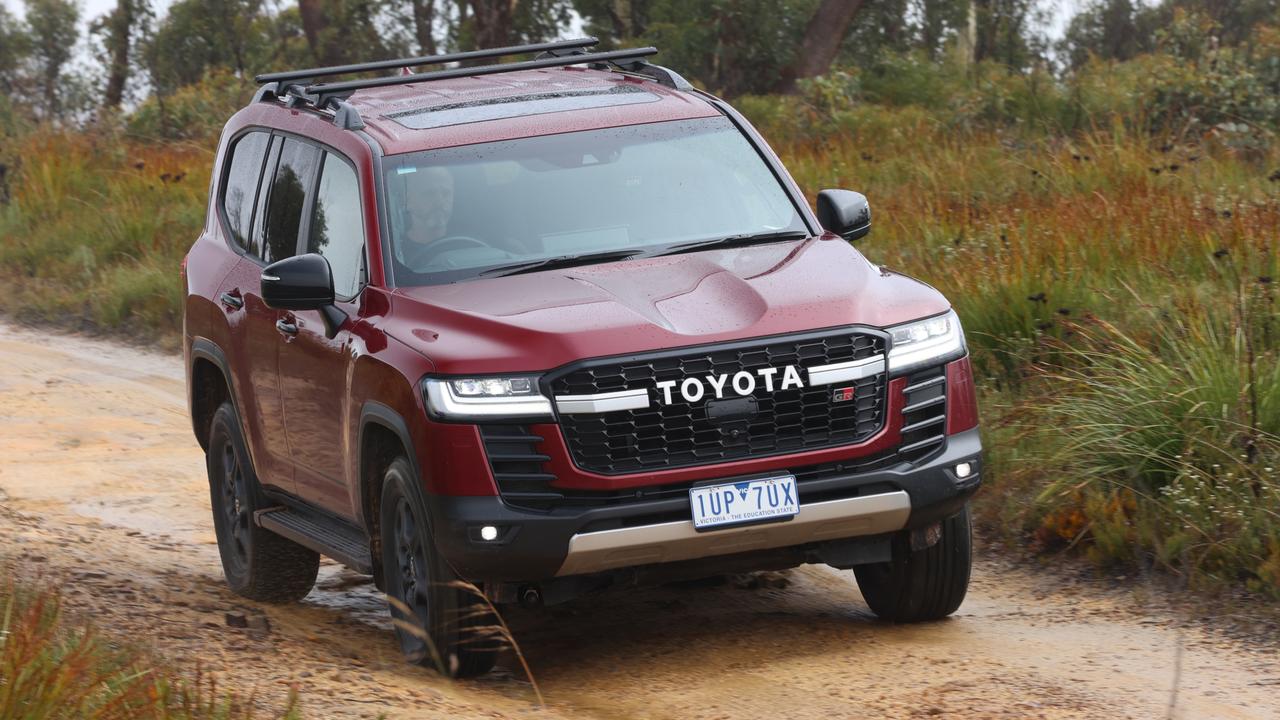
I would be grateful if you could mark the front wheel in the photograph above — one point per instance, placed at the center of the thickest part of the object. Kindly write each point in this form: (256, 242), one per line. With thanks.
(438, 622)
(924, 584)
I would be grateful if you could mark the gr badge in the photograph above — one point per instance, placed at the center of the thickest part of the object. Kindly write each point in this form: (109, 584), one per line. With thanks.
(840, 395)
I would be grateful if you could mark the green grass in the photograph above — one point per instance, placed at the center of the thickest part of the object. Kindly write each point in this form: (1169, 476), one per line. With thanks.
(52, 667)
(96, 228)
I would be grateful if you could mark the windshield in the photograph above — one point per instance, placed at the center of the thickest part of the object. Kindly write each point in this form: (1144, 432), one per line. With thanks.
(459, 212)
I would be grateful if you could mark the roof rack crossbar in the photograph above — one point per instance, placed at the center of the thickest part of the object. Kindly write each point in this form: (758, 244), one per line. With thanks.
(559, 45)
(324, 91)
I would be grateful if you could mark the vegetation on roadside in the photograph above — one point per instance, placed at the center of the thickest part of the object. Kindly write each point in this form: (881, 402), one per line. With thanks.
(1108, 235)
(52, 667)
(1111, 246)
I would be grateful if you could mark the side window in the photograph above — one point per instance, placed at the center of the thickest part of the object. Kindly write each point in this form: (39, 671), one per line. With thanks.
(288, 197)
(337, 228)
(242, 186)
(264, 195)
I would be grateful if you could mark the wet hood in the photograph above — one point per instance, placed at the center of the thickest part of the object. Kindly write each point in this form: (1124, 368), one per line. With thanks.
(543, 320)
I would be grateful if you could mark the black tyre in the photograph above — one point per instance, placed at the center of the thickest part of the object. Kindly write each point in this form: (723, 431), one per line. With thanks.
(925, 584)
(257, 563)
(438, 623)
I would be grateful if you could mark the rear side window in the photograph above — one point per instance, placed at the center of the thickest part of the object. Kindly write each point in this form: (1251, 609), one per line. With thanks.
(288, 197)
(264, 193)
(337, 228)
(242, 186)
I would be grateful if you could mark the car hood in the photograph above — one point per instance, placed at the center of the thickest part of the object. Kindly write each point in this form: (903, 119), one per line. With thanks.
(542, 320)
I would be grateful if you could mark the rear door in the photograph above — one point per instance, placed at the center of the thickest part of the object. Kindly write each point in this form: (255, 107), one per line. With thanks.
(314, 368)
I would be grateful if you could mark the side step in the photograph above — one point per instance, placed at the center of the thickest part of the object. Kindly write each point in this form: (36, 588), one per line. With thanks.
(328, 536)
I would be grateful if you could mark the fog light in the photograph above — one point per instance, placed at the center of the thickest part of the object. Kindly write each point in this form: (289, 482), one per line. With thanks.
(489, 532)
(964, 470)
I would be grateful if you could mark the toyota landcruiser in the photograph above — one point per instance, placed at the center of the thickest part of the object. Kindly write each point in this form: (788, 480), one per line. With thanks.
(518, 332)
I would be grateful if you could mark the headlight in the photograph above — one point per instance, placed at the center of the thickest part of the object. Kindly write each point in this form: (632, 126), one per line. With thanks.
(925, 342)
(485, 398)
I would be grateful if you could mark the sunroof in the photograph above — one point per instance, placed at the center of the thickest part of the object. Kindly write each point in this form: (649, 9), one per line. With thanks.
(521, 105)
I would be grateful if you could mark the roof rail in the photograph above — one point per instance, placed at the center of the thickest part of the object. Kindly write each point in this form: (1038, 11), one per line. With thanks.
(323, 92)
(312, 73)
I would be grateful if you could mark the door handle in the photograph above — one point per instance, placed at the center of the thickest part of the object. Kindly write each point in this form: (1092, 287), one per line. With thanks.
(287, 327)
(234, 302)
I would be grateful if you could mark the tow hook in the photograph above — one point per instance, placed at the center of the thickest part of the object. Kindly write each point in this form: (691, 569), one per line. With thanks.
(530, 596)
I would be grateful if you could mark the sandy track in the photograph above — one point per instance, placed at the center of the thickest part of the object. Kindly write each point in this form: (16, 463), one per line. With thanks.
(102, 489)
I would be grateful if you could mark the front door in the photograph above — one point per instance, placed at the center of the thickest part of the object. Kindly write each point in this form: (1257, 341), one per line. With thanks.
(314, 367)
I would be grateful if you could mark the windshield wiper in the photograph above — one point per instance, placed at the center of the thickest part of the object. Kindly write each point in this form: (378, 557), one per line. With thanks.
(560, 261)
(731, 240)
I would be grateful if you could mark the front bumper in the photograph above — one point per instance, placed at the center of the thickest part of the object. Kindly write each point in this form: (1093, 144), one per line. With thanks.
(533, 546)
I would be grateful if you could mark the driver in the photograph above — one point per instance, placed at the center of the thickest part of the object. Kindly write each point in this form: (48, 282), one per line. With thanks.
(429, 200)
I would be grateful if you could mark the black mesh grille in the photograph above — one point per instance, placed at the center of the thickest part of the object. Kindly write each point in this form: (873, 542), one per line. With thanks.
(520, 470)
(681, 433)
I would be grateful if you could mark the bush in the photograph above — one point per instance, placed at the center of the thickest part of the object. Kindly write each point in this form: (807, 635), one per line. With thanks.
(193, 112)
(1168, 449)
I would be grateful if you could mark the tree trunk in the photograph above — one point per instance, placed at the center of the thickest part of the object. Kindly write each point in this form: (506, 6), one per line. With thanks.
(822, 38)
(985, 42)
(492, 22)
(424, 17)
(120, 26)
(237, 41)
(314, 25)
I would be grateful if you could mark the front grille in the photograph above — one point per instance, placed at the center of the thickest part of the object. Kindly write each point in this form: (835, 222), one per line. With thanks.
(520, 469)
(681, 434)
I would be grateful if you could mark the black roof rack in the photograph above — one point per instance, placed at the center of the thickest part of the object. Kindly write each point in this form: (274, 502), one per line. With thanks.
(342, 90)
(312, 73)
(297, 86)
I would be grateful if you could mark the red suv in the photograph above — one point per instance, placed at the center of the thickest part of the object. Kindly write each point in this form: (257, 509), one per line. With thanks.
(518, 332)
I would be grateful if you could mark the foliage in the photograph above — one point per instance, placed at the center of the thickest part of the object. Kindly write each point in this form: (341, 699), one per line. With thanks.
(52, 33)
(1118, 293)
(52, 668)
(195, 112)
(730, 46)
(96, 227)
(15, 46)
(1174, 444)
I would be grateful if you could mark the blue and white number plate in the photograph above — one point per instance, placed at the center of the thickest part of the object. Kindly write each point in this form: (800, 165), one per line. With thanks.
(744, 502)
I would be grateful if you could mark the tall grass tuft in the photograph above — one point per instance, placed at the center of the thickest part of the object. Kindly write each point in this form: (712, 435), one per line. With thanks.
(51, 668)
(1165, 448)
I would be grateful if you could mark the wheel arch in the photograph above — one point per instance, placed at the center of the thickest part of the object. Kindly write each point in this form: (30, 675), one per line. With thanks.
(383, 435)
(209, 385)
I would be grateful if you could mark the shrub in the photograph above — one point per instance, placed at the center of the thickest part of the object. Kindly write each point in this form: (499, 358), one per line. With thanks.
(192, 112)
(1165, 451)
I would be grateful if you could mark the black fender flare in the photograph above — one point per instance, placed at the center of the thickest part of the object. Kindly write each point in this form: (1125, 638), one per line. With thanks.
(372, 413)
(205, 349)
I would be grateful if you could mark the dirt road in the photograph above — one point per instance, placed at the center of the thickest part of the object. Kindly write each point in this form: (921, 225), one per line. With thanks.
(102, 488)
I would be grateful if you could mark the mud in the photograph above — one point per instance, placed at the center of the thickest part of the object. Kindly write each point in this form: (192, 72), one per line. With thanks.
(102, 490)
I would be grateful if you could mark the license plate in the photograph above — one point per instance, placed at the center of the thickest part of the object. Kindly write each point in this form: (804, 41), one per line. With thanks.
(745, 501)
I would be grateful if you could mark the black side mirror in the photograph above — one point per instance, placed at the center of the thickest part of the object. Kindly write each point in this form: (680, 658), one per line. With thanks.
(302, 282)
(845, 213)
